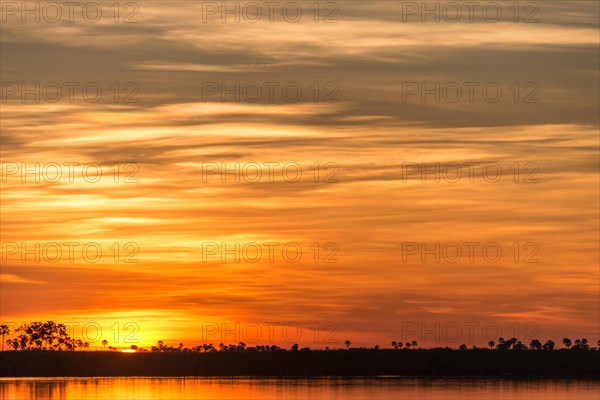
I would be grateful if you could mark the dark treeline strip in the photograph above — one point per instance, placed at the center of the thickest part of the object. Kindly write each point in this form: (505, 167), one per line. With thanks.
(352, 362)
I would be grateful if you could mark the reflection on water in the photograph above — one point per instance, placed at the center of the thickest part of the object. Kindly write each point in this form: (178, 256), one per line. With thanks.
(305, 388)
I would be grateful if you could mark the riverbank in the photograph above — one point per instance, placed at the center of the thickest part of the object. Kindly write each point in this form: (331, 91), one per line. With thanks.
(353, 362)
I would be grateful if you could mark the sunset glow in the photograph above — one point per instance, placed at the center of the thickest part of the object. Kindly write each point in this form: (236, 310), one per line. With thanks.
(365, 210)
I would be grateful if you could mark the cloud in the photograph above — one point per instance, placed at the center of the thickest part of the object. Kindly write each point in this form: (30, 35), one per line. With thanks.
(11, 278)
(364, 139)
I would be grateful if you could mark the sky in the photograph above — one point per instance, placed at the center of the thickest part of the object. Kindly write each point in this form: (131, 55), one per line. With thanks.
(358, 174)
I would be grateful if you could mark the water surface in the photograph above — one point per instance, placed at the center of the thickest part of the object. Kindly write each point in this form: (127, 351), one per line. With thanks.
(306, 388)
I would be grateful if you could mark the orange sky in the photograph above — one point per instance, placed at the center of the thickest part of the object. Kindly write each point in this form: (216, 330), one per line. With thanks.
(374, 207)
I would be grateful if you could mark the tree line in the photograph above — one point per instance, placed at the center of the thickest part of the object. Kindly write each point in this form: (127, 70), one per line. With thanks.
(41, 336)
(50, 335)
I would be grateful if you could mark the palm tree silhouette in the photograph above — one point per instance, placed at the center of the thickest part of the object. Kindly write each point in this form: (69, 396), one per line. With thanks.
(491, 344)
(347, 343)
(4, 330)
(567, 342)
(104, 343)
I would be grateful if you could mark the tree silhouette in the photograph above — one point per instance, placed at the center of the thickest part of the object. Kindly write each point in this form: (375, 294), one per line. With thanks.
(77, 343)
(503, 344)
(519, 346)
(535, 345)
(581, 344)
(4, 330)
(44, 336)
(549, 345)
(52, 336)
